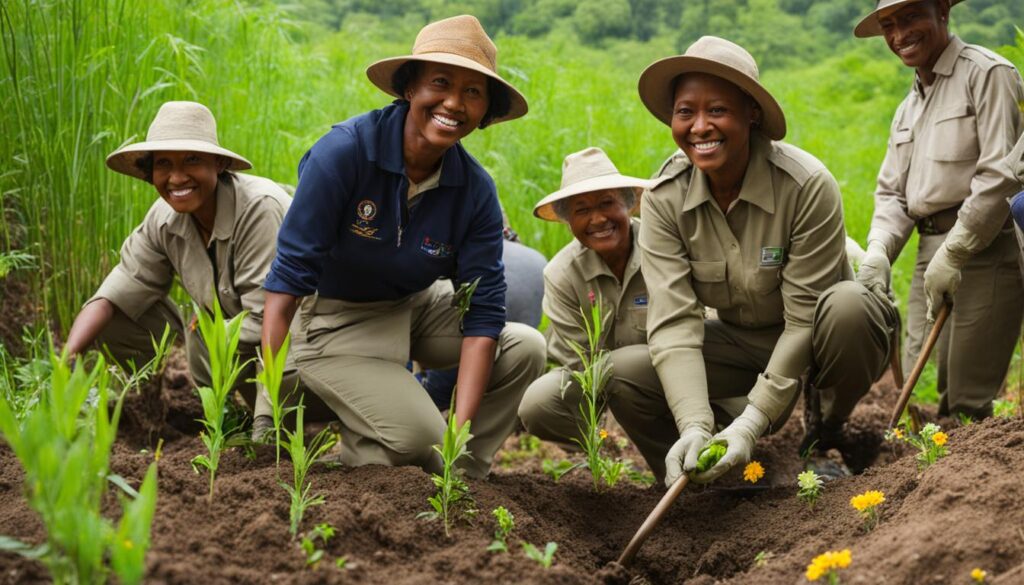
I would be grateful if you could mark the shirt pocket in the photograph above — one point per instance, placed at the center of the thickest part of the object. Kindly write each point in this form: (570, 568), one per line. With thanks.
(954, 137)
(709, 283)
(903, 142)
(767, 279)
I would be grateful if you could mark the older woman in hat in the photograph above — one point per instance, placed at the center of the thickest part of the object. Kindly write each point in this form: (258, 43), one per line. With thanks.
(211, 226)
(752, 227)
(601, 265)
(388, 204)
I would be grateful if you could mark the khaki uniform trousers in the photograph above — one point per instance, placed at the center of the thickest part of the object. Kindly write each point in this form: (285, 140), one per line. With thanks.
(355, 360)
(851, 342)
(973, 353)
(128, 340)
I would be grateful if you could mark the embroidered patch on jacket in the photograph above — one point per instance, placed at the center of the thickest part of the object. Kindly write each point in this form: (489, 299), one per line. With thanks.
(771, 256)
(435, 248)
(366, 212)
(640, 301)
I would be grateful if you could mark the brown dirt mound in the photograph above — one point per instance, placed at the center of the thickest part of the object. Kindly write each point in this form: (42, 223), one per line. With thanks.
(936, 525)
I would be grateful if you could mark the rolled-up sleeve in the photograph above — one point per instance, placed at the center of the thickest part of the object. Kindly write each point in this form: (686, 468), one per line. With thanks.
(479, 256)
(144, 273)
(327, 174)
(675, 322)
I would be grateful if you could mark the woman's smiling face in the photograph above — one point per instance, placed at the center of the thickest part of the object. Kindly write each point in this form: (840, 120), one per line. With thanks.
(711, 122)
(446, 103)
(187, 180)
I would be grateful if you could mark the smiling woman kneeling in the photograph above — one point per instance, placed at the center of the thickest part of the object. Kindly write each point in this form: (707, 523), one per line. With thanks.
(388, 204)
(752, 227)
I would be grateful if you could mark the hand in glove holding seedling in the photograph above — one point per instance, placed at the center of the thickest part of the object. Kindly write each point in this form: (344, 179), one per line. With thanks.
(942, 277)
(682, 457)
(875, 270)
(739, 439)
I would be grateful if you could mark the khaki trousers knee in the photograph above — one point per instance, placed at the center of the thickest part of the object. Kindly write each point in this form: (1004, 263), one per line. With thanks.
(974, 350)
(355, 359)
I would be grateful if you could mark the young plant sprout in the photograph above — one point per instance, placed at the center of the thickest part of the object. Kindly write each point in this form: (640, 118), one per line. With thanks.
(753, 472)
(303, 457)
(709, 456)
(315, 554)
(506, 522)
(544, 558)
(828, 564)
(810, 487)
(135, 376)
(930, 443)
(867, 505)
(452, 491)
(761, 559)
(556, 469)
(221, 339)
(270, 377)
(64, 444)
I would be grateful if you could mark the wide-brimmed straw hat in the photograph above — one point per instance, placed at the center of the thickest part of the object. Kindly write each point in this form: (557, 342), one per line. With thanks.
(178, 126)
(714, 56)
(583, 172)
(460, 41)
(869, 27)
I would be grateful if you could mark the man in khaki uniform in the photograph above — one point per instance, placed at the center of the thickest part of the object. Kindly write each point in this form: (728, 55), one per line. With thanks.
(229, 250)
(596, 200)
(751, 227)
(941, 175)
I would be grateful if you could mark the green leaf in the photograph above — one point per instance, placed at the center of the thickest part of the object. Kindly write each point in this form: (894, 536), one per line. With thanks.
(12, 545)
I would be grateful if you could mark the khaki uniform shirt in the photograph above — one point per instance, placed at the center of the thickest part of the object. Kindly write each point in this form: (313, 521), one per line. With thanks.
(946, 144)
(570, 277)
(1014, 164)
(762, 264)
(249, 213)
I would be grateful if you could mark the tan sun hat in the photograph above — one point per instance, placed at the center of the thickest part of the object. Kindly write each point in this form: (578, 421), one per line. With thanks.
(178, 126)
(460, 41)
(583, 172)
(714, 56)
(869, 27)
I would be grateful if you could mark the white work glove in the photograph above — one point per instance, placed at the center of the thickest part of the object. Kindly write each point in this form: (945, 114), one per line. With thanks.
(739, 438)
(682, 457)
(875, 270)
(942, 277)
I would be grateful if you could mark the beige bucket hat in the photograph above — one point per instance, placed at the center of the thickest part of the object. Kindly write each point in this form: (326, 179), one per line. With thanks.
(714, 56)
(459, 40)
(178, 126)
(869, 27)
(583, 172)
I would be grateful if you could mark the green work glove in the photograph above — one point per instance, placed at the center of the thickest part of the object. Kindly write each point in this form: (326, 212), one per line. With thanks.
(875, 270)
(942, 277)
(682, 457)
(739, 437)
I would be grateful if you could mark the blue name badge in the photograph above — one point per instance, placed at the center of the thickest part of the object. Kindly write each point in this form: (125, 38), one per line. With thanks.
(640, 301)
(435, 248)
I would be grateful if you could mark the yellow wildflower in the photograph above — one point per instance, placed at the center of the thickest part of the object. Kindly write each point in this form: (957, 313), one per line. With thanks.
(814, 572)
(603, 434)
(897, 433)
(828, 562)
(940, 438)
(753, 471)
(978, 575)
(867, 500)
(128, 545)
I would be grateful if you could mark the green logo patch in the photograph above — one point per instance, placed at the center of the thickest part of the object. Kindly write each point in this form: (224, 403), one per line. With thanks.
(771, 256)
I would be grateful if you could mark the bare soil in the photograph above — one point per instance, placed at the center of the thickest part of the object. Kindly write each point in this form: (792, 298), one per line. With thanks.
(936, 525)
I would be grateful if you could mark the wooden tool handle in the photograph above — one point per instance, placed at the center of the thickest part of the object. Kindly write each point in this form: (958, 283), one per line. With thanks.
(653, 519)
(922, 359)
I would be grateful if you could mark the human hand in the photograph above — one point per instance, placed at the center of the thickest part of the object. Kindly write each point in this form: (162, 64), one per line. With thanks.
(739, 439)
(682, 457)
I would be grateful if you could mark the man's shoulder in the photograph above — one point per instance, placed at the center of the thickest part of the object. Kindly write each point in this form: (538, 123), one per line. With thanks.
(983, 58)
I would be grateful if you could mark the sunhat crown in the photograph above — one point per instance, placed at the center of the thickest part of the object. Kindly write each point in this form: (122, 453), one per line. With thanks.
(869, 25)
(177, 126)
(460, 41)
(713, 56)
(584, 172)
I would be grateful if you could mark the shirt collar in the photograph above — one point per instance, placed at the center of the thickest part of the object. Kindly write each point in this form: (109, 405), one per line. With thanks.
(945, 63)
(180, 224)
(390, 136)
(757, 181)
(592, 265)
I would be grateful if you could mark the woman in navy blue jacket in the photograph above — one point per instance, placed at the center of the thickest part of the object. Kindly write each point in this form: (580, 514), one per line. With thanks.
(388, 205)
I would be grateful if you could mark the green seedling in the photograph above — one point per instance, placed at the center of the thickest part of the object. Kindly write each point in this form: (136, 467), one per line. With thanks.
(13, 260)
(506, 522)
(270, 377)
(544, 558)
(24, 379)
(761, 559)
(221, 339)
(556, 469)
(930, 442)
(452, 491)
(810, 487)
(710, 455)
(315, 554)
(64, 446)
(303, 457)
(132, 377)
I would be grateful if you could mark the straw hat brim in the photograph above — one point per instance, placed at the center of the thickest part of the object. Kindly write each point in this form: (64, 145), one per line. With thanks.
(545, 207)
(869, 27)
(656, 89)
(380, 74)
(123, 159)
